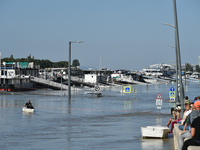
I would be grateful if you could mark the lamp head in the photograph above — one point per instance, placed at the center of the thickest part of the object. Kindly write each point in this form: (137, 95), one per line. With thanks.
(75, 41)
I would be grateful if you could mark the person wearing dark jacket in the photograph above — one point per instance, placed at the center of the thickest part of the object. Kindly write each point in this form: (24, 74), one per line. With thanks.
(29, 105)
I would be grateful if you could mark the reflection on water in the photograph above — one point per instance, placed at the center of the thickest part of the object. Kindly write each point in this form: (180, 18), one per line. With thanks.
(158, 144)
(127, 105)
(87, 122)
(151, 143)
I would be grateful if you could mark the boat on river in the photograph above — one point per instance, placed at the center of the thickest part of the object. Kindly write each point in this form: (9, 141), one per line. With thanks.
(154, 132)
(24, 109)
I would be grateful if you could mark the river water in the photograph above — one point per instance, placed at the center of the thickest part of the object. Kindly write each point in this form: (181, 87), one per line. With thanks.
(87, 122)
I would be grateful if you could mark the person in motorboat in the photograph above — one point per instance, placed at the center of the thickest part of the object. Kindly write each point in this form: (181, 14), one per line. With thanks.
(29, 105)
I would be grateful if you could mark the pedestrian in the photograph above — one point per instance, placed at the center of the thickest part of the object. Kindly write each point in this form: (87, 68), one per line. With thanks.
(174, 113)
(187, 100)
(186, 134)
(188, 110)
(177, 120)
(195, 130)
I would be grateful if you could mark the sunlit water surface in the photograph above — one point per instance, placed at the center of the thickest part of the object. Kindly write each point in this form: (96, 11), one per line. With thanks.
(87, 122)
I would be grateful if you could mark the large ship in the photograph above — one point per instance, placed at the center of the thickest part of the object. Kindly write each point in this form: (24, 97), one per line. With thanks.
(16, 76)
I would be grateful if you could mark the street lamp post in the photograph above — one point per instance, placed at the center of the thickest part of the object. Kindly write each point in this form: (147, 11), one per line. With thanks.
(69, 68)
(61, 82)
(177, 89)
(182, 95)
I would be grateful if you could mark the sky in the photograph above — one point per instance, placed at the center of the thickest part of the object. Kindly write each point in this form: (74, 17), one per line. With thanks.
(117, 34)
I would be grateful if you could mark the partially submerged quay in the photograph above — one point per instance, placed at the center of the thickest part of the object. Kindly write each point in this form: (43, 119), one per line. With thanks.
(18, 76)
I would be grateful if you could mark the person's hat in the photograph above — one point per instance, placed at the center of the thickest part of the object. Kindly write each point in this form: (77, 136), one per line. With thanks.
(178, 108)
(197, 103)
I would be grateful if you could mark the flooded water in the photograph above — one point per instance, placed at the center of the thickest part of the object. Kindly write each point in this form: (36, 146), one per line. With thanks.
(87, 122)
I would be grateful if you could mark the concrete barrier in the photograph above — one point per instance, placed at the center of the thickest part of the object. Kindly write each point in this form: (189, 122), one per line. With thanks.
(176, 133)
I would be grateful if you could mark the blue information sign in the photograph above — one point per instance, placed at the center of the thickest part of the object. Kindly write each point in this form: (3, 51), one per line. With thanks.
(172, 89)
(172, 94)
(127, 89)
(172, 99)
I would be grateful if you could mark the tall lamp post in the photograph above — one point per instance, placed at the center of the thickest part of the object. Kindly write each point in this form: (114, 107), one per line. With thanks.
(180, 93)
(177, 89)
(69, 68)
(177, 98)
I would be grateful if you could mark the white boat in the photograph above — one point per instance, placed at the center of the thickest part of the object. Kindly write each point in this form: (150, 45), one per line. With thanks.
(24, 109)
(152, 72)
(154, 132)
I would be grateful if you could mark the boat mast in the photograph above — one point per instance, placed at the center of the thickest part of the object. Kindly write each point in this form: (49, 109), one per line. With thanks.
(180, 88)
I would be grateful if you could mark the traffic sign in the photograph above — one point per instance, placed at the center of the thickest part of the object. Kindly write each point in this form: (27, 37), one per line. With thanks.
(172, 89)
(159, 102)
(158, 107)
(172, 99)
(172, 94)
(97, 88)
(127, 89)
(159, 96)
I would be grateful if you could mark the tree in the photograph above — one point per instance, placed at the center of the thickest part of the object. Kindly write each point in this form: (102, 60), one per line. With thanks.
(75, 63)
(60, 64)
(188, 67)
(29, 59)
(42, 63)
(11, 56)
(197, 68)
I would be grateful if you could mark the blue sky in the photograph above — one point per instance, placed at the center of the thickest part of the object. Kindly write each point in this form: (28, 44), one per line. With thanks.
(126, 34)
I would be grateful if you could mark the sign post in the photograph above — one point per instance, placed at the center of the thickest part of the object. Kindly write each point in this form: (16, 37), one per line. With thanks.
(159, 102)
(127, 103)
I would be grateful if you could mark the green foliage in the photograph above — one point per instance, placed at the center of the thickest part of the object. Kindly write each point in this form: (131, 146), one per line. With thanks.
(60, 64)
(44, 63)
(29, 59)
(197, 68)
(188, 67)
(75, 63)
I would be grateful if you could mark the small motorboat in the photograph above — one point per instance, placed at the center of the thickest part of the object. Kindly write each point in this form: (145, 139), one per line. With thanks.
(31, 110)
(154, 132)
